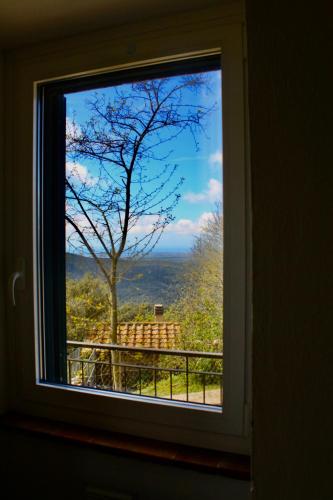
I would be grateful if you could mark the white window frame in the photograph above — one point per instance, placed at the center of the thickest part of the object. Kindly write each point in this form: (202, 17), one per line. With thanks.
(204, 33)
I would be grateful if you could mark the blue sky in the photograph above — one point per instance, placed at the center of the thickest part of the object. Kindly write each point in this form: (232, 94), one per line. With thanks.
(201, 169)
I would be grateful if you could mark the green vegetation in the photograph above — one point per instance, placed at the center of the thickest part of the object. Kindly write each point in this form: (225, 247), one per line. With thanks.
(124, 131)
(178, 386)
(197, 306)
(87, 306)
(154, 279)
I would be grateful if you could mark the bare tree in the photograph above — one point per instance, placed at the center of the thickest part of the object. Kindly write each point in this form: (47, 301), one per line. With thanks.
(126, 138)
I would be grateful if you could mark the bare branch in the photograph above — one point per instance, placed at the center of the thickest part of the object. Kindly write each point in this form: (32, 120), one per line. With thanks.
(89, 247)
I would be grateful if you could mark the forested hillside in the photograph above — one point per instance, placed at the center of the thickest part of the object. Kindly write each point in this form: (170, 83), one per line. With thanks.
(154, 279)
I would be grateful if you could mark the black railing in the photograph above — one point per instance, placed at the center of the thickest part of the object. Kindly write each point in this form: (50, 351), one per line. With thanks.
(178, 375)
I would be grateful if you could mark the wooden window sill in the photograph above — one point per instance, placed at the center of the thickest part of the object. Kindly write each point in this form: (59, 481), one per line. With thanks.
(226, 464)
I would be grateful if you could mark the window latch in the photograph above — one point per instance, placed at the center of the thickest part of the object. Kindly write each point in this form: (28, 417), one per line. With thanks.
(17, 276)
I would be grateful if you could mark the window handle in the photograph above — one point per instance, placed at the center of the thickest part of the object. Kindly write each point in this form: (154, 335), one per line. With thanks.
(17, 276)
(13, 279)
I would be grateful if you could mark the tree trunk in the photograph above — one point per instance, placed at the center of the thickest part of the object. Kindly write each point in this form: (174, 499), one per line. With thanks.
(115, 355)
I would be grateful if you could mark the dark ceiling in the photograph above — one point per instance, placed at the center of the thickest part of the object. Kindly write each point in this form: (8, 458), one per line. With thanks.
(29, 21)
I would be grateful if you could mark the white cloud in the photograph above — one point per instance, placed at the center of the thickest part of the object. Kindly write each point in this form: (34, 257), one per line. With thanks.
(83, 225)
(182, 227)
(212, 194)
(73, 130)
(179, 233)
(188, 226)
(144, 225)
(189, 158)
(79, 173)
(216, 159)
(204, 219)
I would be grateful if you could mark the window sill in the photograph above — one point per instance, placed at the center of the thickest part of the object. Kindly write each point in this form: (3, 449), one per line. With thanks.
(215, 462)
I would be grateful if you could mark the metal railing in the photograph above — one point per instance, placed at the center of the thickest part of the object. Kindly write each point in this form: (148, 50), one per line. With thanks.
(177, 375)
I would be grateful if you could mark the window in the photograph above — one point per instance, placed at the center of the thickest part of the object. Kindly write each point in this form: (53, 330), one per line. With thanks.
(123, 155)
(60, 382)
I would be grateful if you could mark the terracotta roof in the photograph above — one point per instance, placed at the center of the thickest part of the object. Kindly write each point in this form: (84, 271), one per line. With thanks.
(158, 335)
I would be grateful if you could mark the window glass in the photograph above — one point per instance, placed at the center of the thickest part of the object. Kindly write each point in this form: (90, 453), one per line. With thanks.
(143, 235)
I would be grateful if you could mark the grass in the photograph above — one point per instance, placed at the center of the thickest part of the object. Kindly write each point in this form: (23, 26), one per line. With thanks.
(178, 386)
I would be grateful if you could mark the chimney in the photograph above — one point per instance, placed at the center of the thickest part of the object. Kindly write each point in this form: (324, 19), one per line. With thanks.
(158, 312)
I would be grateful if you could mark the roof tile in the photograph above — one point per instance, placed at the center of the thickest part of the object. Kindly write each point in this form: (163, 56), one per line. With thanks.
(141, 334)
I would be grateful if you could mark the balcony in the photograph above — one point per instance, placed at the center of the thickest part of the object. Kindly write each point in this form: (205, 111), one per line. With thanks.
(176, 375)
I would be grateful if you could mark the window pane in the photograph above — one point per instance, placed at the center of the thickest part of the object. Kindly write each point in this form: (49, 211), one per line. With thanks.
(144, 237)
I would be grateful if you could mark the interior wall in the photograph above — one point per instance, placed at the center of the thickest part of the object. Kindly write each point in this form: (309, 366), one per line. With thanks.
(290, 117)
(66, 471)
(292, 266)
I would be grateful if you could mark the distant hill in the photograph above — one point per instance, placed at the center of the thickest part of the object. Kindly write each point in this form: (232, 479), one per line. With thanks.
(154, 279)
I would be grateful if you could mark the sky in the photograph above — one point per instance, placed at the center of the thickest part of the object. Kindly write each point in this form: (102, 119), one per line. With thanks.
(201, 166)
